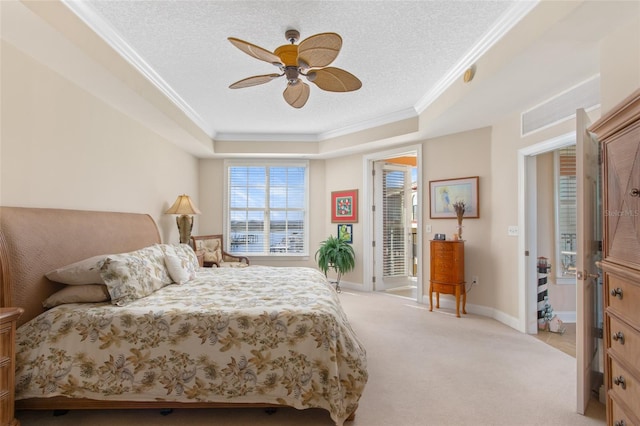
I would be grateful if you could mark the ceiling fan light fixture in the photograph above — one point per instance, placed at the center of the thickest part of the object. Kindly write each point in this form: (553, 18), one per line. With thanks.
(312, 55)
(291, 73)
(288, 54)
(292, 35)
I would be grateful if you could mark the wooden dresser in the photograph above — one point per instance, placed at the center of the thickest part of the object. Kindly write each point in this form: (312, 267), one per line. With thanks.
(8, 318)
(619, 132)
(447, 272)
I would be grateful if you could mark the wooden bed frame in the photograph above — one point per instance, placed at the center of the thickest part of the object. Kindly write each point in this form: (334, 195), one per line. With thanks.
(34, 241)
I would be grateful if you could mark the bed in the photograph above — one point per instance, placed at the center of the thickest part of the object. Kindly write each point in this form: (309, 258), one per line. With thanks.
(218, 337)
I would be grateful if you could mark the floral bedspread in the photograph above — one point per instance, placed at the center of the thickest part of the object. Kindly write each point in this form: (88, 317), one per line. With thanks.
(248, 335)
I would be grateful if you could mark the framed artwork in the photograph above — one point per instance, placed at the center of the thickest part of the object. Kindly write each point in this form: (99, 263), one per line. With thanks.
(345, 231)
(344, 206)
(443, 193)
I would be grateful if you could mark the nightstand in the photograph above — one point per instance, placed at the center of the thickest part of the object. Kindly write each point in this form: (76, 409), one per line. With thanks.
(8, 318)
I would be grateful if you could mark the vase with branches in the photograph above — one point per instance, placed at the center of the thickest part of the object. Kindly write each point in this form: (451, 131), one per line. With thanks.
(459, 208)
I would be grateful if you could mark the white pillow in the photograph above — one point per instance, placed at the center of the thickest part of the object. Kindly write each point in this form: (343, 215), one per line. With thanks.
(86, 271)
(178, 271)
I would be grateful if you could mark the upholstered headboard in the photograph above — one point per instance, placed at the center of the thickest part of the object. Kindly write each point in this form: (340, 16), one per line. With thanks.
(35, 241)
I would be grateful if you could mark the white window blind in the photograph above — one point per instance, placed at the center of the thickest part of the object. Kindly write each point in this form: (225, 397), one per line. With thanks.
(267, 208)
(394, 255)
(566, 210)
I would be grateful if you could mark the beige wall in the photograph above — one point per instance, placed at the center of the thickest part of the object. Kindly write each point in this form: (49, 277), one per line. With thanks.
(546, 210)
(620, 64)
(457, 156)
(63, 148)
(341, 174)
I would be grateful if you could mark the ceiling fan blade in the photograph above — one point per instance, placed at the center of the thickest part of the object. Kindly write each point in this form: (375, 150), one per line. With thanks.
(255, 51)
(296, 94)
(319, 50)
(254, 81)
(334, 80)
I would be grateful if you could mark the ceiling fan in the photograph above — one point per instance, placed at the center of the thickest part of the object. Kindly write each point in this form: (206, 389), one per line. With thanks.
(309, 58)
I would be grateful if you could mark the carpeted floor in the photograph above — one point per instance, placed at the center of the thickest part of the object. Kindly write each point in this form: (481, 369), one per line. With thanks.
(426, 368)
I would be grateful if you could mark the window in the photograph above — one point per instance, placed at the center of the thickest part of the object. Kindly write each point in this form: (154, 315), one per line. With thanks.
(394, 224)
(566, 213)
(267, 207)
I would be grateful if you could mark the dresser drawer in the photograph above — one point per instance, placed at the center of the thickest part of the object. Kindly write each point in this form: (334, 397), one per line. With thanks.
(623, 341)
(444, 288)
(622, 298)
(624, 386)
(619, 417)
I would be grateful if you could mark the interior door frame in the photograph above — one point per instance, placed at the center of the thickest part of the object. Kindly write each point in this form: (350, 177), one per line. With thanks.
(380, 167)
(527, 222)
(368, 219)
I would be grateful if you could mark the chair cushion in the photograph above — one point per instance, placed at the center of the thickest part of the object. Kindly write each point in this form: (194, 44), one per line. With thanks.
(212, 249)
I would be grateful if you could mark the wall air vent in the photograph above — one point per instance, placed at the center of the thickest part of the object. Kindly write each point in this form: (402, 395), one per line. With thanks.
(563, 106)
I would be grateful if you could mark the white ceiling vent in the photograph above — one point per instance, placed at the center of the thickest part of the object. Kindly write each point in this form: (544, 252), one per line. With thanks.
(563, 106)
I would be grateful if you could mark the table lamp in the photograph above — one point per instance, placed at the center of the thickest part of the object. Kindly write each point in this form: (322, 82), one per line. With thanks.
(184, 207)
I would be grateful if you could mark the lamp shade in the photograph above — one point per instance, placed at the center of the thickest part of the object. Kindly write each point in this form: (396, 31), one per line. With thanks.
(183, 205)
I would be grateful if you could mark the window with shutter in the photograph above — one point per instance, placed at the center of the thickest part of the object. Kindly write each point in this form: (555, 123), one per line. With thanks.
(394, 223)
(566, 213)
(267, 208)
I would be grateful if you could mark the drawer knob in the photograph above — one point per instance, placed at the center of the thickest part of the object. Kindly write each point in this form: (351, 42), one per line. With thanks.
(619, 381)
(619, 423)
(635, 192)
(618, 337)
(617, 292)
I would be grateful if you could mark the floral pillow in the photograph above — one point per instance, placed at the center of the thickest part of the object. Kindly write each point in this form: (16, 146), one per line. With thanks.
(131, 276)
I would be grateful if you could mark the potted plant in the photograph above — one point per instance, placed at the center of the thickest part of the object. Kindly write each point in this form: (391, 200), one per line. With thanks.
(337, 254)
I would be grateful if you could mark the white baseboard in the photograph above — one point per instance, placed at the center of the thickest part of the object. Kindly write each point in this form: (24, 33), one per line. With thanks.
(485, 311)
(450, 303)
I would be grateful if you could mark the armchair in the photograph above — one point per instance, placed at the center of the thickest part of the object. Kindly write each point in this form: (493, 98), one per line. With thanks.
(212, 248)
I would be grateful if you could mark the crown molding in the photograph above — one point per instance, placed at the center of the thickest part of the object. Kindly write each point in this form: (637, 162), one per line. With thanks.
(95, 21)
(508, 20)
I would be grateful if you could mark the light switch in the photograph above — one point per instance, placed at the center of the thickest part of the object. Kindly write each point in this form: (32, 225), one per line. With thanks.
(512, 230)
(427, 229)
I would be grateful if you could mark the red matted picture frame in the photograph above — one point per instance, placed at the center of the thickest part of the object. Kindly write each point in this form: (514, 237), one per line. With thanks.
(344, 206)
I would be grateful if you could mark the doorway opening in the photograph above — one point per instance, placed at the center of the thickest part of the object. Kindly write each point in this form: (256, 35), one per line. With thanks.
(393, 194)
(588, 306)
(395, 258)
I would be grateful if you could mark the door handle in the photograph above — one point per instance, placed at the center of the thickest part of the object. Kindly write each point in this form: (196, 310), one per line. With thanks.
(584, 275)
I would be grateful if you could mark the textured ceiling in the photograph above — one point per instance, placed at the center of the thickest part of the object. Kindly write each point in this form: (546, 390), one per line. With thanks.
(399, 50)
(168, 64)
